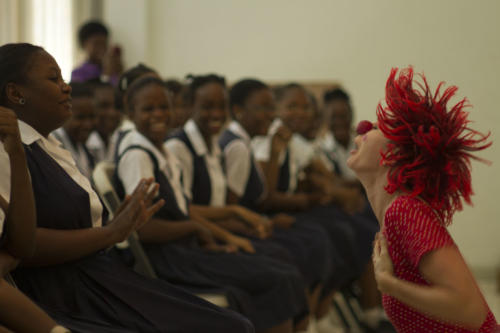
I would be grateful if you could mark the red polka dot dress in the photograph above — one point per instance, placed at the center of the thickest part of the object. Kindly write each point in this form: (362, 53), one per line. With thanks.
(412, 229)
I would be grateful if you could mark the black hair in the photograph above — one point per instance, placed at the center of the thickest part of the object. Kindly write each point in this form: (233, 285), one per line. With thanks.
(280, 92)
(89, 29)
(174, 86)
(197, 81)
(133, 74)
(15, 62)
(81, 89)
(335, 94)
(138, 85)
(242, 89)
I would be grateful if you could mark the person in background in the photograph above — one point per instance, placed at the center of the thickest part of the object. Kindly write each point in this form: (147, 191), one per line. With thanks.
(181, 110)
(75, 132)
(414, 163)
(126, 79)
(252, 108)
(108, 119)
(101, 61)
(335, 145)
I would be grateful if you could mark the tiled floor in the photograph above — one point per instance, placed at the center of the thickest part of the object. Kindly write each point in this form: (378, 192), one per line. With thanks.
(489, 288)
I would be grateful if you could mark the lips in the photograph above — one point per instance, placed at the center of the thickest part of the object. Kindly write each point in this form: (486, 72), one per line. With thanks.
(67, 103)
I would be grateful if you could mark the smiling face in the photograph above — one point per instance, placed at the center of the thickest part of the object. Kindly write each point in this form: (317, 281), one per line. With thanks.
(83, 120)
(209, 109)
(365, 158)
(340, 121)
(48, 101)
(151, 112)
(294, 109)
(108, 117)
(258, 112)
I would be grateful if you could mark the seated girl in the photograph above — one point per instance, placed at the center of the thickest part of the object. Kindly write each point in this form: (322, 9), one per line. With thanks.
(17, 234)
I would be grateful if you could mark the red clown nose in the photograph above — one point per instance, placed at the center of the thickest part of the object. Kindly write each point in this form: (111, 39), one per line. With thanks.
(363, 127)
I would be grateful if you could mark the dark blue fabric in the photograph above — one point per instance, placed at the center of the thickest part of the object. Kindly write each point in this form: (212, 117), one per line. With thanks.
(255, 186)
(171, 209)
(265, 290)
(97, 289)
(284, 174)
(307, 244)
(201, 188)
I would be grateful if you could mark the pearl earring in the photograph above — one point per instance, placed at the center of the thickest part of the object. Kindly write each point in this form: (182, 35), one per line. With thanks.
(22, 101)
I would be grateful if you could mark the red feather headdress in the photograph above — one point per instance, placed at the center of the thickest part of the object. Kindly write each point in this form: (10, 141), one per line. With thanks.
(430, 145)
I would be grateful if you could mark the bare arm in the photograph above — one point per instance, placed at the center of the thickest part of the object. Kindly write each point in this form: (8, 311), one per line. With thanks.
(60, 246)
(161, 231)
(452, 295)
(15, 308)
(213, 213)
(224, 235)
(20, 216)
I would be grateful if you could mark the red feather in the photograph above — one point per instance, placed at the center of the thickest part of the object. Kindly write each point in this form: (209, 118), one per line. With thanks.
(431, 145)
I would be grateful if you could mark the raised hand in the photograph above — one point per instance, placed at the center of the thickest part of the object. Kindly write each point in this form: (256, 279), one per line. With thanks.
(135, 211)
(9, 131)
(280, 140)
(382, 262)
(112, 62)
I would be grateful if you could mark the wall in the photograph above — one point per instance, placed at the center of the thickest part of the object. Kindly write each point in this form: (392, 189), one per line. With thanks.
(354, 42)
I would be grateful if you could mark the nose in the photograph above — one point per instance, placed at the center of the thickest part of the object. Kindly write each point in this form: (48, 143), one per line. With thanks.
(363, 127)
(66, 88)
(219, 113)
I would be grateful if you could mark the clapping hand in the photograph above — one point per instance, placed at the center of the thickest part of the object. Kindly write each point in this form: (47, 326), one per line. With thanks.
(136, 210)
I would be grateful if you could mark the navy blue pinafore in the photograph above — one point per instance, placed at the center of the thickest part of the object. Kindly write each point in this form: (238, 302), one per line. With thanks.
(344, 254)
(307, 243)
(201, 190)
(101, 294)
(266, 291)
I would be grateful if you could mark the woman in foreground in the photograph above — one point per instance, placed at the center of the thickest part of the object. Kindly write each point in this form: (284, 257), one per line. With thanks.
(415, 166)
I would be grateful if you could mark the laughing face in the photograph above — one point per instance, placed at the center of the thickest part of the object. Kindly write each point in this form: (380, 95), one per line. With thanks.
(365, 157)
(152, 113)
(294, 109)
(210, 108)
(48, 100)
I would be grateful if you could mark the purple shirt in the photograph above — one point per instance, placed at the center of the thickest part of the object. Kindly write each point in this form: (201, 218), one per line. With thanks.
(88, 71)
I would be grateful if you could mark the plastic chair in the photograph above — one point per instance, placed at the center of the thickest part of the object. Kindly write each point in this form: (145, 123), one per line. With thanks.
(102, 176)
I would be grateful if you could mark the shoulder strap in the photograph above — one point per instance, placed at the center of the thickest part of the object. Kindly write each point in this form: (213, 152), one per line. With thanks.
(120, 190)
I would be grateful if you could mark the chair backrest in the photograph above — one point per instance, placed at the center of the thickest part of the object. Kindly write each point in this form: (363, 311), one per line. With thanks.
(102, 175)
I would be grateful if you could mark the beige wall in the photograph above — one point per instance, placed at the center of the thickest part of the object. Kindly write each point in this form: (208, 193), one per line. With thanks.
(353, 41)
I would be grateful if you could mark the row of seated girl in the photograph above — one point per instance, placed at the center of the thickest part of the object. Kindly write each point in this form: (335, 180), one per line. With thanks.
(203, 176)
(273, 270)
(195, 151)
